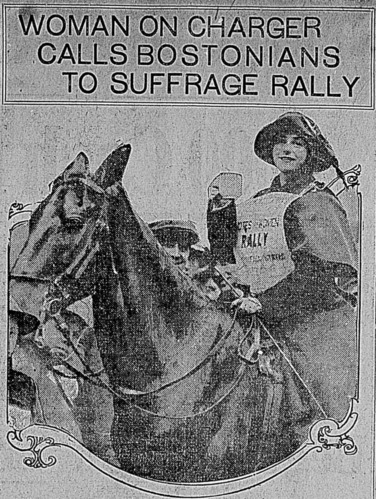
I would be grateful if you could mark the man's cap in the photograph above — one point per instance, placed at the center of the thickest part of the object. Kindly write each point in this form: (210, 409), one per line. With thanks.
(176, 227)
(321, 154)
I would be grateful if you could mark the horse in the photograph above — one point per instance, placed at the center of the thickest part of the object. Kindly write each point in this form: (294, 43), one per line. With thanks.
(44, 372)
(190, 405)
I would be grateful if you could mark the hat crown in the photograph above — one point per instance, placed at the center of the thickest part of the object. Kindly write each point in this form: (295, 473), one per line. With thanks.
(172, 225)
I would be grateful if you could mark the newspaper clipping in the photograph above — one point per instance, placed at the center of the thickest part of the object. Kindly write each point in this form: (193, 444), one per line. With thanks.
(188, 249)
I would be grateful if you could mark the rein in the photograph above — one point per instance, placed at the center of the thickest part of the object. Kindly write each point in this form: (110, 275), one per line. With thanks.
(57, 297)
(258, 351)
(279, 348)
(103, 384)
(127, 395)
(55, 302)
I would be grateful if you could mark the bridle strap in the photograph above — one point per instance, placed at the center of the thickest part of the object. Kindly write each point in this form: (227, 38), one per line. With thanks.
(84, 259)
(87, 181)
(75, 271)
(101, 223)
(92, 185)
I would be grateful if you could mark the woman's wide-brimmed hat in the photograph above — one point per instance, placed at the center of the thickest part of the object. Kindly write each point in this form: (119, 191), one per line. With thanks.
(321, 155)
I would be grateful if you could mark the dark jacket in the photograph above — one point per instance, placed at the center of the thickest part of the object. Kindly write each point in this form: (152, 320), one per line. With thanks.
(321, 245)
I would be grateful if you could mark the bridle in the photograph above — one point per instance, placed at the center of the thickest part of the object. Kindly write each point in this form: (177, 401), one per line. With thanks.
(59, 296)
(129, 395)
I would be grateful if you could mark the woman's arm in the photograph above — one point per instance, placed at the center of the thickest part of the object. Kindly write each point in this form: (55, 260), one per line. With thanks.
(323, 251)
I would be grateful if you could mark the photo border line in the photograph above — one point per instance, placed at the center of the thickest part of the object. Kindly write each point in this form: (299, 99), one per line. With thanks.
(152, 486)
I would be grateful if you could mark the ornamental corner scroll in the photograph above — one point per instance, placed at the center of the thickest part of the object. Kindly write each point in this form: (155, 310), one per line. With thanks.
(35, 444)
(328, 434)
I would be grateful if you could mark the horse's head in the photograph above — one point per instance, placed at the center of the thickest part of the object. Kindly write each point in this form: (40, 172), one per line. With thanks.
(67, 231)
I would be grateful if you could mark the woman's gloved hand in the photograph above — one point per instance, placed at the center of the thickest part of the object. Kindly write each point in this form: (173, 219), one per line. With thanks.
(248, 304)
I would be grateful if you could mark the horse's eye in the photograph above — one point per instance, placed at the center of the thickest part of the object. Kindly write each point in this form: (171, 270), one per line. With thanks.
(94, 198)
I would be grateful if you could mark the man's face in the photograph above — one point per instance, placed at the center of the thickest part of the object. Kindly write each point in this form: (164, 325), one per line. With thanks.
(177, 243)
(178, 253)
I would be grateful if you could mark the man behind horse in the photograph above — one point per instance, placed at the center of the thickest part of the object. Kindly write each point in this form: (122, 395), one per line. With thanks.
(182, 242)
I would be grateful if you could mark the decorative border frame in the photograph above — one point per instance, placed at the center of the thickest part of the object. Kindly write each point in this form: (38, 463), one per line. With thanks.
(40, 441)
(324, 435)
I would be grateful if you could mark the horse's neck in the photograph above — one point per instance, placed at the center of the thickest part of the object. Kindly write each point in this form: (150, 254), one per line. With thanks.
(145, 266)
(164, 315)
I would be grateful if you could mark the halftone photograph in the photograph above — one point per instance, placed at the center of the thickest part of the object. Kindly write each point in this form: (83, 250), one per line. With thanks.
(188, 250)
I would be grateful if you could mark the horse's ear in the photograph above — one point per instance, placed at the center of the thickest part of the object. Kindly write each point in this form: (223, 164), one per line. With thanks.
(78, 168)
(113, 167)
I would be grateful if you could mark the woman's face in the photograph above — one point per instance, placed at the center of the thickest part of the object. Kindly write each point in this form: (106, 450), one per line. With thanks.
(290, 153)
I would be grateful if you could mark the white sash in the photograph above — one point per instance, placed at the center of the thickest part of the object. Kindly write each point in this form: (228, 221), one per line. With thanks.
(262, 256)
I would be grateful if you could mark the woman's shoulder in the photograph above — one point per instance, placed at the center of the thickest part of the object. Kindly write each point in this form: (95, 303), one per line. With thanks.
(324, 228)
(320, 200)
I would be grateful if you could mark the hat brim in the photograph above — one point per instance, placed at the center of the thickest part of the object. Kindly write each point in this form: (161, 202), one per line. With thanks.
(184, 236)
(184, 229)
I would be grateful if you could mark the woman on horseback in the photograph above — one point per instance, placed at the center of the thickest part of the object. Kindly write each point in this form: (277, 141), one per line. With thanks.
(295, 253)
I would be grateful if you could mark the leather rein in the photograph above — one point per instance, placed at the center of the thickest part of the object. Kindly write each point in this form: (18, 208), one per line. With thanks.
(57, 299)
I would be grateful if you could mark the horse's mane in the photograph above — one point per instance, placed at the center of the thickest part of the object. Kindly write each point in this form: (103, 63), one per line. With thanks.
(132, 239)
(148, 313)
